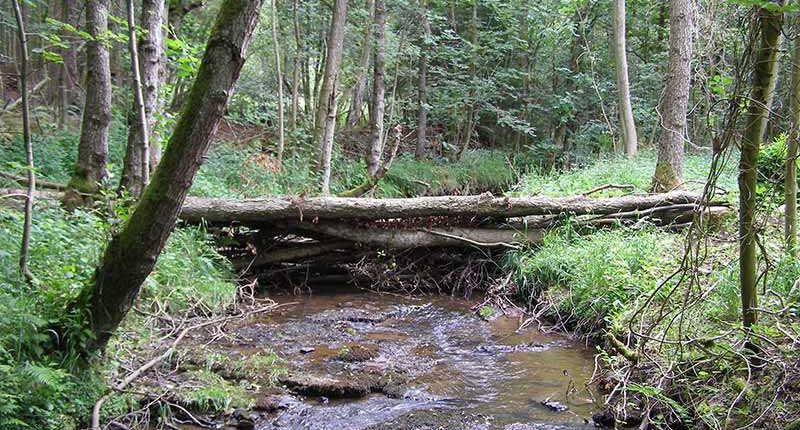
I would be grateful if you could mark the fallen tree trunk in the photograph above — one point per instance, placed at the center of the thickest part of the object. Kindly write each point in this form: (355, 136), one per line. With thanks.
(425, 238)
(256, 211)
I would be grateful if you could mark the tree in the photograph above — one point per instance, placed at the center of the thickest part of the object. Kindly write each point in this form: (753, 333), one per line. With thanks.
(138, 136)
(298, 50)
(277, 49)
(359, 88)
(623, 90)
(90, 170)
(325, 118)
(26, 136)
(150, 52)
(674, 105)
(770, 22)
(790, 180)
(132, 253)
(422, 85)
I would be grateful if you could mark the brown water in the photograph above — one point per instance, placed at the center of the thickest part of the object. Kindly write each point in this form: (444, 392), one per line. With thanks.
(452, 369)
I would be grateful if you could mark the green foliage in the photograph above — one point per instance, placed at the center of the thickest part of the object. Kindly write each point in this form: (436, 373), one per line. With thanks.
(620, 170)
(38, 390)
(595, 278)
(212, 393)
(772, 169)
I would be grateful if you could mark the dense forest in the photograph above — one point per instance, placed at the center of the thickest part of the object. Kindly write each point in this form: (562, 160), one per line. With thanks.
(444, 214)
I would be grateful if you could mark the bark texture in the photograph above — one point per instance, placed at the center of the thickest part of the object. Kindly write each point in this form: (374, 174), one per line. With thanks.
(669, 168)
(629, 136)
(422, 86)
(132, 253)
(277, 51)
(254, 211)
(373, 159)
(360, 87)
(770, 23)
(26, 136)
(90, 169)
(790, 184)
(138, 134)
(325, 123)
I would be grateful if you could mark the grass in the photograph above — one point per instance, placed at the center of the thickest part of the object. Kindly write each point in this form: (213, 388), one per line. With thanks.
(589, 281)
(244, 172)
(621, 170)
(38, 390)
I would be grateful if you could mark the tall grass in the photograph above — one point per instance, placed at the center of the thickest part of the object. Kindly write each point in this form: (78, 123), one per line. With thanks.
(621, 170)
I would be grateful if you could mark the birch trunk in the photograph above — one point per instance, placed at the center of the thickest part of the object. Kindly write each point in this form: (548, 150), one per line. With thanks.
(357, 104)
(325, 123)
(629, 136)
(277, 49)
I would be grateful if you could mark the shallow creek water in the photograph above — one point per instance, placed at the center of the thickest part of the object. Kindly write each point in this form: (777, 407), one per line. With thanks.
(427, 363)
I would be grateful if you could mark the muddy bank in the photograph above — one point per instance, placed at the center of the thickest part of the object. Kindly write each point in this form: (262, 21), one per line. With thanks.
(368, 361)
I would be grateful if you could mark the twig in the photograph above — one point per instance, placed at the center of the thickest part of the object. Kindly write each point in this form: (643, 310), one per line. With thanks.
(474, 242)
(144, 368)
(609, 186)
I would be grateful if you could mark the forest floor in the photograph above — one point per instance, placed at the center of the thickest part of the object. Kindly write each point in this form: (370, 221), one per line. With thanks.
(617, 288)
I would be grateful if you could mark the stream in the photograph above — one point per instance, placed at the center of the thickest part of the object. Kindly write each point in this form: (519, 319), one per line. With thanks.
(360, 360)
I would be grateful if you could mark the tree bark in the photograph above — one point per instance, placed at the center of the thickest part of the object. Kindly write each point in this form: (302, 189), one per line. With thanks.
(277, 49)
(254, 211)
(26, 136)
(422, 87)
(132, 253)
(136, 170)
(669, 167)
(298, 50)
(375, 154)
(790, 184)
(90, 169)
(623, 89)
(325, 124)
(770, 23)
(359, 88)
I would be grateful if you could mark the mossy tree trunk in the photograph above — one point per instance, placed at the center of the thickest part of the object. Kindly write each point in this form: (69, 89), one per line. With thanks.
(132, 253)
(375, 154)
(629, 136)
(674, 105)
(279, 74)
(770, 23)
(90, 169)
(790, 185)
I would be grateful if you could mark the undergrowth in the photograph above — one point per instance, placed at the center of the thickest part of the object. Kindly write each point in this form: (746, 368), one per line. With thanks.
(41, 390)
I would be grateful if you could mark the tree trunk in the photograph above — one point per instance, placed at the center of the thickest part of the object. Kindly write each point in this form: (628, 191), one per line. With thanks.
(133, 252)
(422, 91)
(770, 26)
(325, 124)
(277, 49)
(373, 159)
(136, 170)
(623, 90)
(90, 170)
(26, 136)
(359, 88)
(253, 211)
(790, 184)
(669, 168)
(471, 115)
(298, 50)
